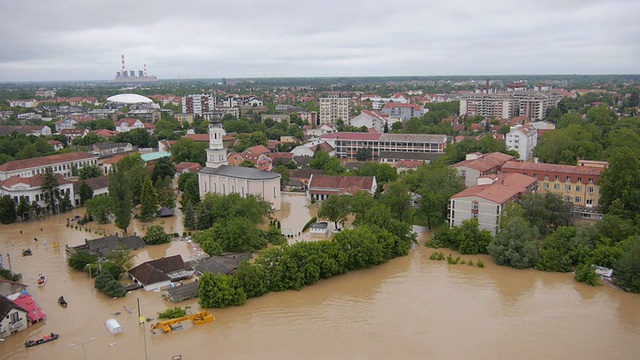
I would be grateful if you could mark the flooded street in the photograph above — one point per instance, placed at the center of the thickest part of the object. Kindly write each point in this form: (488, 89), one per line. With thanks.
(410, 308)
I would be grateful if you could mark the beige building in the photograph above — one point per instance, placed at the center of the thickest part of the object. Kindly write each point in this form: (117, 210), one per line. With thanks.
(334, 108)
(477, 164)
(221, 178)
(59, 163)
(486, 200)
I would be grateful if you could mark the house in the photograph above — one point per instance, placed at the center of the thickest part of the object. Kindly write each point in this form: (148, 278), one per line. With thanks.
(34, 312)
(181, 293)
(319, 227)
(71, 134)
(276, 117)
(59, 163)
(371, 119)
(185, 166)
(323, 186)
(156, 274)
(486, 200)
(226, 264)
(13, 317)
(299, 178)
(66, 123)
(198, 137)
(281, 158)
(128, 124)
(106, 149)
(406, 165)
(165, 145)
(99, 185)
(57, 145)
(302, 150)
(403, 111)
(107, 164)
(105, 133)
(37, 130)
(103, 246)
(477, 164)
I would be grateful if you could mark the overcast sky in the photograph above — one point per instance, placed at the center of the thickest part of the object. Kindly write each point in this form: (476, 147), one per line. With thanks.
(83, 39)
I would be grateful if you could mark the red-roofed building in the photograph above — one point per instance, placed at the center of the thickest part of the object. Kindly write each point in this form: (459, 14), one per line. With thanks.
(486, 200)
(406, 165)
(185, 166)
(27, 303)
(477, 164)
(107, 164)
(323, 186)
(198, 137)
(575, 184)
(57, 145)
(105, 133)
(71, 134)
(31, 188)
(59, 163)
(128, 124)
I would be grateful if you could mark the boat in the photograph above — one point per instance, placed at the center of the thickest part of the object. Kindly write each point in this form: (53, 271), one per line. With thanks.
(26, 252)
(42, 280)
(45, 339)
(62, 301)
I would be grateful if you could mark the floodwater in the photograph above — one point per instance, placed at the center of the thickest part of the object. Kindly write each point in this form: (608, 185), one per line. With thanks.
(409, 308)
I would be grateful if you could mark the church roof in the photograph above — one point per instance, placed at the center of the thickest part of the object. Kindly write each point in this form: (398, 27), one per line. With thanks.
(241, 172)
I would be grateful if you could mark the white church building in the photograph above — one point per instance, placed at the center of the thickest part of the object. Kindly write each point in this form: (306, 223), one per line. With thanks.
(221, 178)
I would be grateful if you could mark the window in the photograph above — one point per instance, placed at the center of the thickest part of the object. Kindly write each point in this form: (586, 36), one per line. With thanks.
(556, 186)
(37, 197)
(578, 188)
(578, 199)
(568, 178)
(546, 177)
(567, 198)
(275, 192)
(557, 177)
(474, 205)
(546, 185)
(15, 317)
(579, 179)
(590, 180)
(590, 189)
(567, 188)
(589, 202)
(475, 215)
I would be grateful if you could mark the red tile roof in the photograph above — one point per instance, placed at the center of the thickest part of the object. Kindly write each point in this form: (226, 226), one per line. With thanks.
(114, 159)
(504, 188)
(188, 166)
(486, 162)
(256, 150)
(341, 182)
(46, 160)
(34, 181)
(105, 133)
(539, 168)
(198, 137)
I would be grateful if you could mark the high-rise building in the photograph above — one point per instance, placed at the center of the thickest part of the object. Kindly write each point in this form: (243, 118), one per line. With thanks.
(198, 104)
(533, 105)
(334, 108)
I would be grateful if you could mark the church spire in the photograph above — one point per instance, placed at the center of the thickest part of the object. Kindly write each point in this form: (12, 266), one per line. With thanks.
(216, 153)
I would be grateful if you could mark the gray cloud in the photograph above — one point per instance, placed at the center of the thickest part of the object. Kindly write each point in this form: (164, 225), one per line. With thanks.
(83, 40)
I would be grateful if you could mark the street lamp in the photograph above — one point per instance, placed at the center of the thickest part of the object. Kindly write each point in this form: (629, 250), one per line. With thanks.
(89, 265)
(84, 351)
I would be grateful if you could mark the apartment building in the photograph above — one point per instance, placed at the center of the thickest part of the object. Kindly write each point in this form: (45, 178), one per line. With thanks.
(387, 147)
(486, 200)
(532, 104)
(523, 140)
(334, 108)
(198, 103)
(576, 184)
(403, 111)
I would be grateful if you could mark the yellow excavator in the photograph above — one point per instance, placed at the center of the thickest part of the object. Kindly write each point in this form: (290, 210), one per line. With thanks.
(199, 318)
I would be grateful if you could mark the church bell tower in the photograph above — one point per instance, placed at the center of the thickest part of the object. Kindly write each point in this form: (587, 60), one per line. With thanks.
(216, 153)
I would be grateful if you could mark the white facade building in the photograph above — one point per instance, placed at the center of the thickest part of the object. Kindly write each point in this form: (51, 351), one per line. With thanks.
(60, 164)
(523, 140)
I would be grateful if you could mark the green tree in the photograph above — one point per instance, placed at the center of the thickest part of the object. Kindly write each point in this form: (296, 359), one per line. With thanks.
(364, 154)
(99, 208)
(247, 164)
(515, 245)
(86, 193)
(285, 177)
(323, 161)
(220, 291)
(120, 194)
(586, 273)
(166, 195)
(23, 210)
(336, 208)
(156, 235)
(189, 150)
(163, 168)
(384, 173)
(621, 182)
(546, 211)
(88, 172)
(628, 267)
(7, 210)
(80, 259)
(51, 190)
(106, 283)
(137, 176)
(238, 235)
(148, 201)
(129, 162)
(65, 203)
(397, 197)
(184, 178)
(189, 216)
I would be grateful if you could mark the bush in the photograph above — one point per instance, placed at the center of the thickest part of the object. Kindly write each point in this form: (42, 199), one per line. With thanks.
(438, 255)
(80, 259)
(109, 286)
(156, 235)
(586, 273)
(6, 274)
(470, 262)
(174, 313)
(480, 263)
(452, 261)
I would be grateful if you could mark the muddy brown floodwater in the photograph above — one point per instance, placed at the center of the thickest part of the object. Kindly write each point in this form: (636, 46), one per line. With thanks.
(409, 308)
